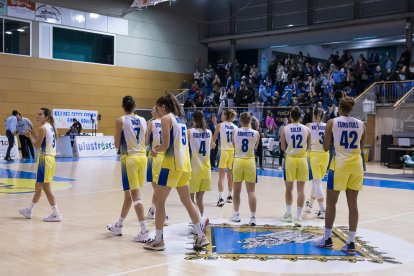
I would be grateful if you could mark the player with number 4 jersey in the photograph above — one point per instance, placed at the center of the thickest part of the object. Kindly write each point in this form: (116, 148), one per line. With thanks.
(200, 139)
(295, 141)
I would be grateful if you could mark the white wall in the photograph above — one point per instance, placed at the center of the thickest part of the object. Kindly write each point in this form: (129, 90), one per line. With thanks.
(160, 40)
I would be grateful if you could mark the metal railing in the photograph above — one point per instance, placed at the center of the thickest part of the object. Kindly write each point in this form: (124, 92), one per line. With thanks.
(384, 93)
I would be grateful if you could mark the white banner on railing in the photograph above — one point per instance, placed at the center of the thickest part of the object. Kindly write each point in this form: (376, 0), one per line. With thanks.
(4, 144)
(64, 117)
(94, 146)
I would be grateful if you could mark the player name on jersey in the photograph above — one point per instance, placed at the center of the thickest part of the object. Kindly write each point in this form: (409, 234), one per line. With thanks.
(201, 135)
(245, 134)
(348, 125)
(296, 129)
(318, 127)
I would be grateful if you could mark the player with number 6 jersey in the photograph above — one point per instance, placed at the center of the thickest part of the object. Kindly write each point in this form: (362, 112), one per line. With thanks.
(295, 141)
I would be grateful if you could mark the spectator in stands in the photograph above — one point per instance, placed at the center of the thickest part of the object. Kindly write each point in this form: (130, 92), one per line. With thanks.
(403, 74)
(308, 69)
(23, 126)
(230, 96)
(270, 122)
(197, 75)
(236, 70)
(378, 75)
(272, 71)
(373, 60)
(209, 73)
(276, 99)
(245, 70)
(389, 75)
(216, 83)
(194, 86)
(199, 98)
(229, 66)
(411, 69)
(388, 63)
(253, 74)
(221, 69)
(307, 118)
(265, 96)
(405, 58)
(327, 84)
(339, 78)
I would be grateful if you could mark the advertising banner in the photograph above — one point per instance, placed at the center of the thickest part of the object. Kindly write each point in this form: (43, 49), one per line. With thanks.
(64, 118)
(4, 143)
(21, 9)
(49, 14)
(94, 146)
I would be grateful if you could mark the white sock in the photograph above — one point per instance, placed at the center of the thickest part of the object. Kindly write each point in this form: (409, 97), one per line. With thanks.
(230, 194)
(299, 212)
(321, 206)
(32, 205)
(120, 222)
(289, 209)
(253, 215)
(351, 237)
(159, 235)
(236, 213)
(199, 229)
(327, 233)
(55, 209)
(143, 225)
(220, 195)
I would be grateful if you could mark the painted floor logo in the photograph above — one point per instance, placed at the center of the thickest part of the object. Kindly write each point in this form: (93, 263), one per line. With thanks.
(265, 242)
(22, 182)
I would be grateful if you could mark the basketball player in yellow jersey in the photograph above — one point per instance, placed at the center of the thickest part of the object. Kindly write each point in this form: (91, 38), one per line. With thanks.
(224, 132)
(200, 138)
(318, 160)
(153, 139)
(46, 143)
(175, 171)
(295, 141)
(346, 171)
(130, 140)
(246, 141)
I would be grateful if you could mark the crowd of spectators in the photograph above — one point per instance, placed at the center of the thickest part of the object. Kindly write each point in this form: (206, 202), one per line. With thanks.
(292, 80)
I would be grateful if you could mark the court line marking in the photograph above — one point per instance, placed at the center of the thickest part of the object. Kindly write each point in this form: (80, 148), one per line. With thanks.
(65, 195)
(386, 217)
(144, 268)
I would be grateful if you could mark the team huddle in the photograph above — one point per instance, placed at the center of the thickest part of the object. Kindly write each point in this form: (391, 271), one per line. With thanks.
(180, 158)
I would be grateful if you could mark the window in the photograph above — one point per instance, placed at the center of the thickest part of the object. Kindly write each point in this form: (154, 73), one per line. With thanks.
(84, 46)
(16, 37)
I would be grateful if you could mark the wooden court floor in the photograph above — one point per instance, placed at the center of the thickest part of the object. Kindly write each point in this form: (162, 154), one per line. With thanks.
(89, 197)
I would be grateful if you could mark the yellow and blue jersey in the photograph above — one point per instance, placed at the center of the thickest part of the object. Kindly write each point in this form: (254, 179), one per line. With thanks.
(347, 133)
(296, 136)
(48, 146)
(177, 156)
(200, 144)
(133, 132)
(317, 132)
(245, 140)
(226, 134)
(156, 133)
(46, 162)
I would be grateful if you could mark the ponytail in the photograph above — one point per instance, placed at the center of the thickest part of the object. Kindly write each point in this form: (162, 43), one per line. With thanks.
(230, 114)
(50, 119)
(199, 121)
(171, 104)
